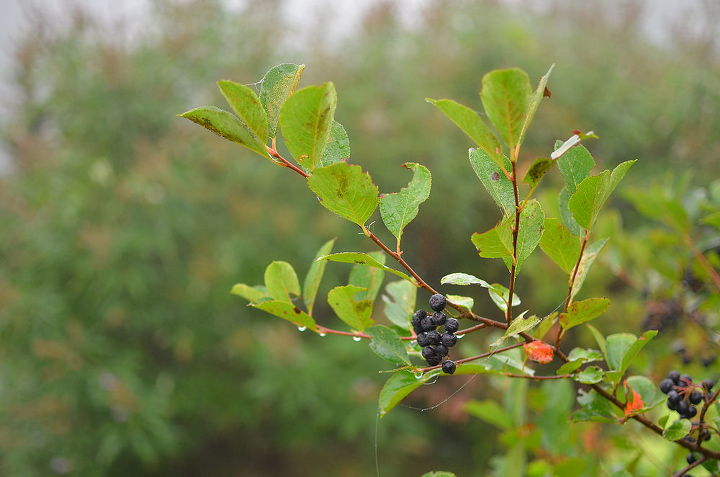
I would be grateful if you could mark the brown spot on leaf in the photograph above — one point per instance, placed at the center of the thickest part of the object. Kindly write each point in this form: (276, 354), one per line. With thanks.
(495, 176)
(297, 310)
(547, 93)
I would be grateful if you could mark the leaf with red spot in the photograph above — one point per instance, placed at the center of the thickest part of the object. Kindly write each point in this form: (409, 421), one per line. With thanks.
(634, 404)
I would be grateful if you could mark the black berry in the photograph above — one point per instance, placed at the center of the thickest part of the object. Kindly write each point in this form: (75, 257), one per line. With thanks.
(691, 458)
(434, 360)
(428, 352)
(439, 318)
(673, 397)
(675, 376)
(708, 360)
(448, 339)
(708, 384)
(672, 405)
(692, 411)
(426, 324)
(433, 337)
(448, 367)
(438, 302)
(422, 339)
(696, 396)
(705, 435)
(441, 350)
(666, 385)
(452, 325)
(685, 379)
(682, 407)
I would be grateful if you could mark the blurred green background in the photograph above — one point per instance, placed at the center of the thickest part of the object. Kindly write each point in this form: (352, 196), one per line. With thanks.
(122, 227)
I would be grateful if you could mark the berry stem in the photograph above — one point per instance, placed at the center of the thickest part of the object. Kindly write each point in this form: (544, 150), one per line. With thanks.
(704, 410)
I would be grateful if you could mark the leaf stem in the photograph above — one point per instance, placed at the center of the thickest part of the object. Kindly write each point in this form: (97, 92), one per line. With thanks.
(285, 163)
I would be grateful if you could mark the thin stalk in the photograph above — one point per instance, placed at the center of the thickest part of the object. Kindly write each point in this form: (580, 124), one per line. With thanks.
(515, 230)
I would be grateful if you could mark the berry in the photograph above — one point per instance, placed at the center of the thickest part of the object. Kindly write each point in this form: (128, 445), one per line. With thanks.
(673, 397)
(428, 352)
(438, 302)
(705, 435)
(708, 384)
(691, 458)
(696, 396)
(675, 376)
(452, 325)
(448, 367)
(708, 360)
(433, 337)
(441, 350)
(672, 405)
(685, 379)
(419, 315)
(686, 359)
(422, 339)
(692, 411)
(448, 339)
(434, 361)
(682, 407)
(426, 324)
(439, 318)
(666, 385)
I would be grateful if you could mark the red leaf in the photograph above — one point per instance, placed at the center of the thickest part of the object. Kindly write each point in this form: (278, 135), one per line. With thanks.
(634, 404)
(539, 351)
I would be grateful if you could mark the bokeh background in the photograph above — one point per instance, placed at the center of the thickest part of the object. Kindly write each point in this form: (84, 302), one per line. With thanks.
(123, 228)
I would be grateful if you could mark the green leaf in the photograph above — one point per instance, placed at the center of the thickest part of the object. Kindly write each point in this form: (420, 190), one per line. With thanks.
(356, 314)
(386, 343)
(363, 258)
(251, 294)
(462, 301)
(537, 171)
(439, 473)
(589, 255)
(565, 214)
(497, 242)
(314, 275)
(534, 101)
(712, 219)
(594, 408)
(287, 311)
(463, 279)
(545, 325)
(500, 294)
(345, 190)
(600, 339)
(652, 203)
(368, 277)
(400, 208)
(578, 357)
(593, 191)
(281, 281)
(275, 88)
(494, 180)
(677, 430)
(470, 123)
(490, 412)
(337, 147)
(506, 97)
(580, 312)
(400, 302)
(397, 388)
(589, 375)
(622, 348)
(517, 326)
(575, 165)
(247, 107)
(648, 391)
(226, 125)
(560, 245)
(306, 119)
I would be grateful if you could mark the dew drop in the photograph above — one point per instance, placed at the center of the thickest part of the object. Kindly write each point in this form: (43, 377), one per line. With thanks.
(323, 334)
(460, 336)
(419, 375)
(302, 328)
(357, 338)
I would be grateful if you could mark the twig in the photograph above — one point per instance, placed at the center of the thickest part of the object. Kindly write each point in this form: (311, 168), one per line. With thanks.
(703, 261)
(515, 231)
(571, 284)
(688, 468)
(285, 163)
(473, 358)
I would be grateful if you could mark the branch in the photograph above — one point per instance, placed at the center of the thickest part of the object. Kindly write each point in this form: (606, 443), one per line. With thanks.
(571, 284)
(515, 230)
(473, 358)
(684, 471)
(284, 162)
(357, 334)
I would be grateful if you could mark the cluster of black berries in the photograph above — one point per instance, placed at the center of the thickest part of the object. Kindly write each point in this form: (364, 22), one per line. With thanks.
(687, 358)
(436, 345)
(682, 394)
